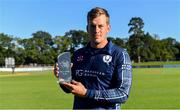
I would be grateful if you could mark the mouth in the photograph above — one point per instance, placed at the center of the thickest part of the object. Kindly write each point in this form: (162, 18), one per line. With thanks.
(96, 36)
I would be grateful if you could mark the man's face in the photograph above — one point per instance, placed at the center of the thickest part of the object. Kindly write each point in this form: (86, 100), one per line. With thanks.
(98, 29)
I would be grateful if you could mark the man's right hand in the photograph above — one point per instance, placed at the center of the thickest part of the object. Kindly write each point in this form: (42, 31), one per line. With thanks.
(56, 70)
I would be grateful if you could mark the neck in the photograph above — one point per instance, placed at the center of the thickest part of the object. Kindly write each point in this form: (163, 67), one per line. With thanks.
(99, 45)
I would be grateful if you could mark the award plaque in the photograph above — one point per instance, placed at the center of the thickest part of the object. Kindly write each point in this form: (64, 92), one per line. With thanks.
(64, 64)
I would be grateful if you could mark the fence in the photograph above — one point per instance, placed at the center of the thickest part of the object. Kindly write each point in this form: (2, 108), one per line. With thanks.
(26, 69)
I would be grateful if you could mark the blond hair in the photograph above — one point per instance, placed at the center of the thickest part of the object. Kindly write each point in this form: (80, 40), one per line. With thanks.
(96, 12)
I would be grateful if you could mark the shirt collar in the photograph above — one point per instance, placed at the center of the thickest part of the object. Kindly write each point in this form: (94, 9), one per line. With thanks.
(106, 50)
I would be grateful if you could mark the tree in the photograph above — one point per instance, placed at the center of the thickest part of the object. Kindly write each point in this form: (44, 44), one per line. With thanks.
(171, 50)
(37, 49)
(136, 25)
(7, 47)
(79, 39)
(30, 50)
(177, 46)
(61, 44)
(43, 44)
(118, 41)
(43, 40)
(135, 40)
(147, 52)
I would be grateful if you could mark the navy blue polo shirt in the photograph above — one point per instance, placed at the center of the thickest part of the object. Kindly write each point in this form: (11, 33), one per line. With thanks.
(106, 73)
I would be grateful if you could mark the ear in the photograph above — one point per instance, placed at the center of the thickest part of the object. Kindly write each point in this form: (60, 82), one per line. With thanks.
(109, 28)
(87, 28)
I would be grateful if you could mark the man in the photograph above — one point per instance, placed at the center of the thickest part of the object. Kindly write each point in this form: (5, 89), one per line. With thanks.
(101, 71)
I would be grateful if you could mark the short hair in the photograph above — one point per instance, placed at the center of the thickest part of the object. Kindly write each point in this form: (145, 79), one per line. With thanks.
(96, 12)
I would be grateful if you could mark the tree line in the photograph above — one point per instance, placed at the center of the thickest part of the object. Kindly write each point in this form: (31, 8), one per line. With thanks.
(43, 48)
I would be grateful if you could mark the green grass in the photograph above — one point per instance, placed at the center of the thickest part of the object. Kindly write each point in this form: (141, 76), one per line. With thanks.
(34, 91)
(157, 88)
(157, 63)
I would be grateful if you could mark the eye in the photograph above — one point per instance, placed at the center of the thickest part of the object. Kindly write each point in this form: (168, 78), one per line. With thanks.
(92, 26)
(100, 26)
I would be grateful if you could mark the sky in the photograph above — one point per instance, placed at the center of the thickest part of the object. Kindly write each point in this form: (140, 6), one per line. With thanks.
(22, 18)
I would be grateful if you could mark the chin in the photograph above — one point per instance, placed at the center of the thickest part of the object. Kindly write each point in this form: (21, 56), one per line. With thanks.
(97, 41)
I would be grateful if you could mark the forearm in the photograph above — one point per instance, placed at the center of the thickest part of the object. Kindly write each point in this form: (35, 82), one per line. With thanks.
(112, 96)
(115, 95)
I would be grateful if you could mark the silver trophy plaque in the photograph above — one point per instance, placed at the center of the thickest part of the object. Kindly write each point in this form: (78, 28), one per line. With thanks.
(64, 64)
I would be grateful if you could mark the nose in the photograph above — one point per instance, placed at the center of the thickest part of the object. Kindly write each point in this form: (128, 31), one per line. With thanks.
(97, 29)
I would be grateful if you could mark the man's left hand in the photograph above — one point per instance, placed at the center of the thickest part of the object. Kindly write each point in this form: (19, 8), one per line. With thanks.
(76, 88)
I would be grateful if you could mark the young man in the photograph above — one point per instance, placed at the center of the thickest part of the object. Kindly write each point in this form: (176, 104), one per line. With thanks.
(101, 71)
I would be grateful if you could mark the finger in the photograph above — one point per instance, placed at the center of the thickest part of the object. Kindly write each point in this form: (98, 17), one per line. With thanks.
(71, 65)
(56, 70)
(67, 84)
(57, 73)
(74, 82)
(73, 91)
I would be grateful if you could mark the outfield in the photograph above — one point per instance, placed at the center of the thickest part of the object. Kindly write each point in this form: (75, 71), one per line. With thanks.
(156, 88)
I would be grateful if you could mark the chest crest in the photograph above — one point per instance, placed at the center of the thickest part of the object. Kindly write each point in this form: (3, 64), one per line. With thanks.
(107, 59)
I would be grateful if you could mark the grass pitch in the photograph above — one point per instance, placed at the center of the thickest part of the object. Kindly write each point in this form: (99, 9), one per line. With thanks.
(36, 90)
(154, 88)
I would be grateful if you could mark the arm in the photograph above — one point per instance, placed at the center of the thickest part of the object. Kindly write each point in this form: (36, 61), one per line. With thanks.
(123, 78)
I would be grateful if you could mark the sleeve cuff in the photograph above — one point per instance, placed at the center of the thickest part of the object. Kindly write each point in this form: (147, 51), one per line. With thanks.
(90, 94)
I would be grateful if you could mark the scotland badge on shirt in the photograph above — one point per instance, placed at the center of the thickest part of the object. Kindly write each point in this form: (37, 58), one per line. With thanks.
(107, 59)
